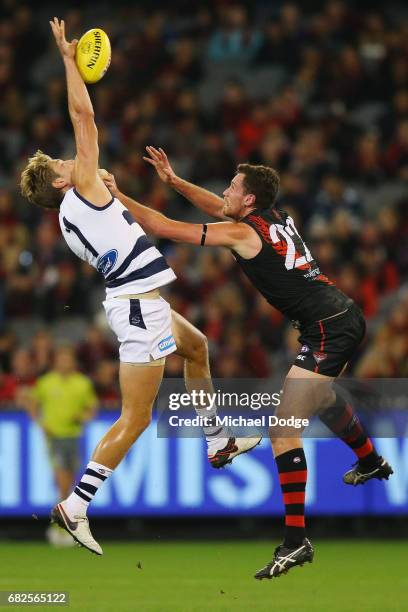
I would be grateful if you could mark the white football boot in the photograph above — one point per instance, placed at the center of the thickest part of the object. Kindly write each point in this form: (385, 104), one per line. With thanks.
(77, 526)
(233, 448)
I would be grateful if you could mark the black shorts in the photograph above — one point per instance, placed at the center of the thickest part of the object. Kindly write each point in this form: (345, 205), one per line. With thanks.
(329, 344)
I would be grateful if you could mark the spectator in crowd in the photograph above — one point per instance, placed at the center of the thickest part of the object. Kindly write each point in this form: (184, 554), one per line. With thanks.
(94, 349)
(7, 390)
(234, 39)
(387, 356)
(42, 351)
(106, 383)
(23, 374)
(334, 196)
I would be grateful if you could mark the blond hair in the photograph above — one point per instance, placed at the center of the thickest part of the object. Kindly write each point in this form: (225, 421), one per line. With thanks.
(36, 182)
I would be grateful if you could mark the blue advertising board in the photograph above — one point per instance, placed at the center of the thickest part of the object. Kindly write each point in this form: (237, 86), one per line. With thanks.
(172, 477)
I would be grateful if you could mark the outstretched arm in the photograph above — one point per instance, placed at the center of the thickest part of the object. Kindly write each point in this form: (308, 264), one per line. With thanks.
(203, 199)
(227, 234)
(81, 112)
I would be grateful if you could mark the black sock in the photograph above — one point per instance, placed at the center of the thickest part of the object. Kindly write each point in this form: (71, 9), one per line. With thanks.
(341, 419)
(292, 469)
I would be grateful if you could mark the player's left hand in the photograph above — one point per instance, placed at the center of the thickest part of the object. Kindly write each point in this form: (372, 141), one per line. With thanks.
(110, 182)
(159, 160)
(67, 49)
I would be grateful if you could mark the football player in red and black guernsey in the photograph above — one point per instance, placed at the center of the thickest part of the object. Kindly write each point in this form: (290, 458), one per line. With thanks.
(270, 251)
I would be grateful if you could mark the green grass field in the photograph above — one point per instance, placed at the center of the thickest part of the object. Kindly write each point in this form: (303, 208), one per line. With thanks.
(214, 576)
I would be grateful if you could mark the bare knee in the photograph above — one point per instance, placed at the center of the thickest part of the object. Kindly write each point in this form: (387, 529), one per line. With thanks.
(328, 400)
(279, 446)
(283, 445)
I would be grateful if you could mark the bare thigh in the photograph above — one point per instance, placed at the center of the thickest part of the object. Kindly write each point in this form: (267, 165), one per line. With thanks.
(139, 385)
(189, 339)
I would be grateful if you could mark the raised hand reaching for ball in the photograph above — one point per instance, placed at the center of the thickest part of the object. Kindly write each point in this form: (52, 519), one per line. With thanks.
(67, 49)
(158, 159)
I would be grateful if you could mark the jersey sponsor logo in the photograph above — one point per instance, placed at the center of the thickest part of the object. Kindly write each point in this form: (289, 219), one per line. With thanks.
(304, 349)
(319, 356)
(301, 357)
(166, 343)
(107, 261)
(141, 245)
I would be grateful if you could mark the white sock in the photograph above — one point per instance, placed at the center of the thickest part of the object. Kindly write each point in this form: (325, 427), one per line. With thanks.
(216, 435)
(217, 443)
(95, 474)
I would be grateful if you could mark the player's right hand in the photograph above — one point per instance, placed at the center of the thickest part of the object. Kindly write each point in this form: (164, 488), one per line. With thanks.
(158, 159)
(67, 49)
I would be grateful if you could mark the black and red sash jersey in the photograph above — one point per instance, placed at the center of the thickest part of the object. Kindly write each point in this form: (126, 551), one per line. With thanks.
(285, 272)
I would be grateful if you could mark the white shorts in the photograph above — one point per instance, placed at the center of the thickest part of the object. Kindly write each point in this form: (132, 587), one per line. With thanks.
(143, 328)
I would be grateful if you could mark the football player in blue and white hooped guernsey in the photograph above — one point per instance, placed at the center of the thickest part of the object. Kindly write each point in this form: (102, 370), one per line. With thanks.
(100, 230)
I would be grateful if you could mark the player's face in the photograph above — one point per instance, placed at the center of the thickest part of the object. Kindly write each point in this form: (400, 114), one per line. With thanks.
(236, 199)
(64, 169)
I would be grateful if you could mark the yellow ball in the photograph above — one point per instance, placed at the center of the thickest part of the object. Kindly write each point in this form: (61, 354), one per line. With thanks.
(93, 55)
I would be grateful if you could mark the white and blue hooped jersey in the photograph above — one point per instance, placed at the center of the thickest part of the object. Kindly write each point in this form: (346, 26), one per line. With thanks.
(111, 241)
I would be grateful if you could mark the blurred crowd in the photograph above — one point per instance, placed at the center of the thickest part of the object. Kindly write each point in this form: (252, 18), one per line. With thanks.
(319, 94)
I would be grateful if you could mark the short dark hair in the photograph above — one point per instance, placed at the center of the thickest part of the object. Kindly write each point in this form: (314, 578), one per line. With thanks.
(262, 181)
